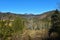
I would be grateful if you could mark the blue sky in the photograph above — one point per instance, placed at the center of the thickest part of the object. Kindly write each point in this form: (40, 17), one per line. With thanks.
(28, 6)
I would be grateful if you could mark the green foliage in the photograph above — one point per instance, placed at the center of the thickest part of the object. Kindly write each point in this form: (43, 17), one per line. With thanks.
(18, 24)
(7, 31)
(55, 21)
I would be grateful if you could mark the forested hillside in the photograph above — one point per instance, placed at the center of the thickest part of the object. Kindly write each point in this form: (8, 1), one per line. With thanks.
(25, 27)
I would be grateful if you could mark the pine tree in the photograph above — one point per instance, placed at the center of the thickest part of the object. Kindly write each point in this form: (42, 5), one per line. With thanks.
(55, 21)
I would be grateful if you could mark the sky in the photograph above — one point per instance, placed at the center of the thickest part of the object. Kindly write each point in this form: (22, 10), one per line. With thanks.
(28, 6)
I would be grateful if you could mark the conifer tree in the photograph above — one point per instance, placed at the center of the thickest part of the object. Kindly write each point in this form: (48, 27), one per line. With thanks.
(55, 21)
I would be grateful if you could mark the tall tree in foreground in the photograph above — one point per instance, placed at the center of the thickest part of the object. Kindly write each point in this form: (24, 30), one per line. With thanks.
(55, 27)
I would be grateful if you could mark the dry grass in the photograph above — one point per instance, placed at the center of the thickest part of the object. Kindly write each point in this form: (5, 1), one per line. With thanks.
(36, 33)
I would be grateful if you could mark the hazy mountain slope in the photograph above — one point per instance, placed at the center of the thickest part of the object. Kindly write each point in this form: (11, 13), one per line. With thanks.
(35, 21)
(13, 15)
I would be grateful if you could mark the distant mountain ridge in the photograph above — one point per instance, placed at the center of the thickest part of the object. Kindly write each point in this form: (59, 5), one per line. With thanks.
(13, 15)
